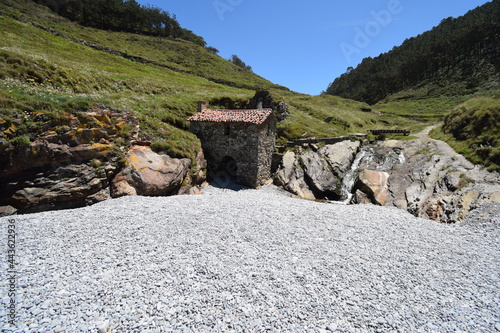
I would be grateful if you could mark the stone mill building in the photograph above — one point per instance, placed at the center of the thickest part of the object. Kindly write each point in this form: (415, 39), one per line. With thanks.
(237, 143)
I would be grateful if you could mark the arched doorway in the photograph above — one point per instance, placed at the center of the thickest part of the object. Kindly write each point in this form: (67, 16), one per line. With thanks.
(226, 173)
(229, 166)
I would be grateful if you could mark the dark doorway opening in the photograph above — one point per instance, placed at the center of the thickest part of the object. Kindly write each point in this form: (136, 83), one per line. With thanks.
(225, 175)
(229, 166)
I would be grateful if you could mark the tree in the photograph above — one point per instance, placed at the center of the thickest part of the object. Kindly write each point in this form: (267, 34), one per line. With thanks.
(212, 50)
(122, 15)
(457, 57)
(238, 62)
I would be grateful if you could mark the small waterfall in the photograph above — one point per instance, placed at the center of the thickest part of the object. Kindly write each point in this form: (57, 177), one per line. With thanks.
(402, 158)
(350, 179)
(368, 158)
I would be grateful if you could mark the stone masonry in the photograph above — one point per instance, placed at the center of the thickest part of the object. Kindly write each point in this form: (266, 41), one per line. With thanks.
(238, 144)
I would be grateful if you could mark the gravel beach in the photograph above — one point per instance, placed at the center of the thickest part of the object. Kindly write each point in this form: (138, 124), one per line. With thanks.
(249, 261)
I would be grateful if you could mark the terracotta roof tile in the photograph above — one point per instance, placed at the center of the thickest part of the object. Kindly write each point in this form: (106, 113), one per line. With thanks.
(257, 116)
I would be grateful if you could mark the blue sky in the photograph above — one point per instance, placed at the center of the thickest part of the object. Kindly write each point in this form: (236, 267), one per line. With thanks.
(305, 46)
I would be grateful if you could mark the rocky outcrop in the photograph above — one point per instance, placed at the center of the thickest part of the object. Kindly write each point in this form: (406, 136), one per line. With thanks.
(47, 176)
(150, 174)
(291, 176)
(434, 182)
(439, 184)
(423, 176)
(71, 161)
(67, 186)
(194, 182)
(41, 154)
(319, 174)
(340, 156)
(315, 173)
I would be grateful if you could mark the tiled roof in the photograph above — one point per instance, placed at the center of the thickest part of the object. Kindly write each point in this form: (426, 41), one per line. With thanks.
(257, 116)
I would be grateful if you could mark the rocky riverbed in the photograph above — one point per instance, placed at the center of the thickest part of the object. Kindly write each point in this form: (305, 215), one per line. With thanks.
(423, 176)
(251, 261)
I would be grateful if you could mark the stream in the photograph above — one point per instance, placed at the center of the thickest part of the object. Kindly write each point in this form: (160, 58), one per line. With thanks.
(367, 158)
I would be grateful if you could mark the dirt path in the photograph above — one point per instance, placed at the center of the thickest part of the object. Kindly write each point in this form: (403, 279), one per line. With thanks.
(425, 132)
(476, 171)
(443, 147)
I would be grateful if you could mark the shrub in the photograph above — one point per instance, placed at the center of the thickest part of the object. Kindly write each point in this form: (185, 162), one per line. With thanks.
(20, 142)
(162, 146)
(472, 130)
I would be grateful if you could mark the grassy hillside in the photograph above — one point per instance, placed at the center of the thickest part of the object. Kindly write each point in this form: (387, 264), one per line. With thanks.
(50, 65)
(473, 129)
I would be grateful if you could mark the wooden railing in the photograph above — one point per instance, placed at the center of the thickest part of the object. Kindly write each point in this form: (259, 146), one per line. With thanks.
(375, 132)
(328, 141)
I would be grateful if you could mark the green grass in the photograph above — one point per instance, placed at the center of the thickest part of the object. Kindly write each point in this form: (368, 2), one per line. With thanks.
(417, 112)
(473, 130)
(21, 142)
(415, 109)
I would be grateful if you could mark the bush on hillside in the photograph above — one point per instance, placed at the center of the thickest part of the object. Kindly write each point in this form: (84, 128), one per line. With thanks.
(477, 123)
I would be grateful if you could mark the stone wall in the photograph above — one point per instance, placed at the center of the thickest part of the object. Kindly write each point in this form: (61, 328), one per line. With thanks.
(267, 142)
(249, 145)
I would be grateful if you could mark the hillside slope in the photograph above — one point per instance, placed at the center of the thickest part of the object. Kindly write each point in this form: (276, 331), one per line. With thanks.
(458, 57)
(51, 65)
(473, 129)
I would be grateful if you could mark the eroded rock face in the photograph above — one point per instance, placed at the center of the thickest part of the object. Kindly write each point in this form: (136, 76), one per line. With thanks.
(70, 161)
(48, 176)
(319, 174)
(429, 180)
(64, 186)
(425, 177)
(340, 156)
(291, 176)
(42, 154)
(150, 174)
(375, 185)
(316, 173)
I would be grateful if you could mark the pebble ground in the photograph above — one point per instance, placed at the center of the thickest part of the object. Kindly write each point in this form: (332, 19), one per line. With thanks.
(250, 261)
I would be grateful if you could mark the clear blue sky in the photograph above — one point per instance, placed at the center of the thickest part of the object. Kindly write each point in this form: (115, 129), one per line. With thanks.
(306, 45)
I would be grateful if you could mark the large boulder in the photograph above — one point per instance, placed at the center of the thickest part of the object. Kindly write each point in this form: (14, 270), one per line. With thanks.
(64, 186)
(290, 176)
(319, 175)
(150, 174)
(375, 185)
(340, 156)
(286, 170)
